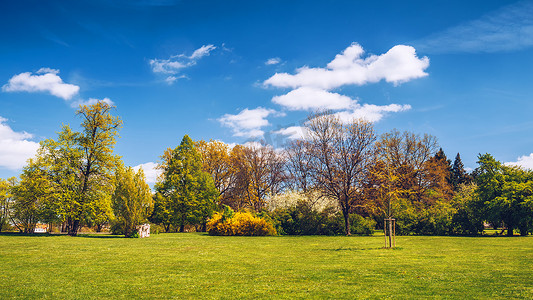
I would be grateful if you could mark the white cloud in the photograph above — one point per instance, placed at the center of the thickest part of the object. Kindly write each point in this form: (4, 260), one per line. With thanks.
(248, 122)
(202, 51)
(399, 64)
(150, 171)
(167, 66)
(273, 61)
(508, 28)
(91, 101)
(171, 79)
(525, 162)
(293, 132)
(176, 63)
(370, 112)
(15, 147)
(310, 98)
(311, 88)
(45, 80)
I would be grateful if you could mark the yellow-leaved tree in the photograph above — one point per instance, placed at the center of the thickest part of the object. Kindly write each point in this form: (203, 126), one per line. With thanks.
(132, 200)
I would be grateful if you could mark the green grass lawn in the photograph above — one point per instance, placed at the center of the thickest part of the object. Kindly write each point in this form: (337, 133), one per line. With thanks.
(192, 265)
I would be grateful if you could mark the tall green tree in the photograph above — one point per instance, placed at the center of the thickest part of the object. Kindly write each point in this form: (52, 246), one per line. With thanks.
(468, 218)
(189, 190)
(459, 175)
(32, 198)
(506, 193)
(132, 200)
(162, 213)
(81, 165)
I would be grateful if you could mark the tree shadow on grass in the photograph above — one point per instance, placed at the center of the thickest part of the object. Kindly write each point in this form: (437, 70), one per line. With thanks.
(100, 236)
(360, 249)
(30, 234)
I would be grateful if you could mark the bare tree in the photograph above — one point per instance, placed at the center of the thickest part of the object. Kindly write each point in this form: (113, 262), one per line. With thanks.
(265, 174)
(298, 166)
(339, 154)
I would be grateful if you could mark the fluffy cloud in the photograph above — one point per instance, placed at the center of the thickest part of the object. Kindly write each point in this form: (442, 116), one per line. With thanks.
(15, 147)
(150, 171)
(310, 98)
(525, 162)
(44, 80)
(273, 61)
(248, 122)
(176, 63)
(311, 88)
(399, 64)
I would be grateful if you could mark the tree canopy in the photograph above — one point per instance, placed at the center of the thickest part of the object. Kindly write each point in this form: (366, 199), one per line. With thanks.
(186, 191)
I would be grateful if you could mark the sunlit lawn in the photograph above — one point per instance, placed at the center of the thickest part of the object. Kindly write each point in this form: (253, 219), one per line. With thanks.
(192, 265)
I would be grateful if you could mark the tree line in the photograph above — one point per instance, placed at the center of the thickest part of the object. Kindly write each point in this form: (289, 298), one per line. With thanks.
(338, 178)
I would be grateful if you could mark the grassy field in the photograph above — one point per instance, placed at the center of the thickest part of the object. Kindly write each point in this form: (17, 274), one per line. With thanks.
(192, 265)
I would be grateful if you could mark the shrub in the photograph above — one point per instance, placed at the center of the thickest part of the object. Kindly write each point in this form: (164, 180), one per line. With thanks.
(301, 219)
(360, 225)
(156, 228)
(241, 223)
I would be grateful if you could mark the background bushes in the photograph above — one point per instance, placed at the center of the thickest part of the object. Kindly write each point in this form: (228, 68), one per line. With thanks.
(302, 219)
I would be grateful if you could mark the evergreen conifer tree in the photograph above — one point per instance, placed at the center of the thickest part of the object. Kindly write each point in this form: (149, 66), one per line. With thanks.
(459, 174)
(188, 189)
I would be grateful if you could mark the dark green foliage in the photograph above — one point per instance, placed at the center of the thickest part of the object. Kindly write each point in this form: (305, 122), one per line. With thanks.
(459, 175)
(413, 221)
(186, 195)
(468, 219)
(461, 216)
(506, 194)
(360, 225)
(162, 214)
(302, 220)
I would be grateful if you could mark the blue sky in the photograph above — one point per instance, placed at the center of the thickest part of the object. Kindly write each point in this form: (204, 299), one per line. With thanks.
(244, 70)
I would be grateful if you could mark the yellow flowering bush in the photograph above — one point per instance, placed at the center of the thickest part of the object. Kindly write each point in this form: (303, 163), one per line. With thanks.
(241, 223)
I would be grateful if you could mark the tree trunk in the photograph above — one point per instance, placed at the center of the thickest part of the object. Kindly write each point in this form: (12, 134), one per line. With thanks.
(509, 230)
(346, 223)
(204, 227)
(390, 233)
(73, 229)
(182, 227)
(167, 227)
